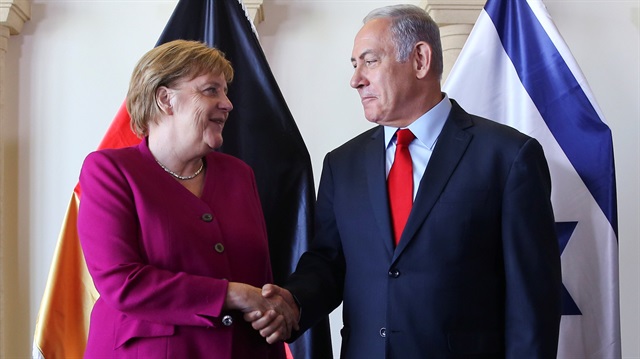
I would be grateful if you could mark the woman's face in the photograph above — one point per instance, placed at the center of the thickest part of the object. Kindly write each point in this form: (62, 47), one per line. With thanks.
(200, 109)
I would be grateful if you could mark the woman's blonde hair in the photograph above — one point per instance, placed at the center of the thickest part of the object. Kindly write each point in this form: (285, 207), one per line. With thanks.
(164, 66)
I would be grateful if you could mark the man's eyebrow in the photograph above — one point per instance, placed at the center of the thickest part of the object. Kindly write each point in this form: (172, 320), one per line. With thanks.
(363, 54)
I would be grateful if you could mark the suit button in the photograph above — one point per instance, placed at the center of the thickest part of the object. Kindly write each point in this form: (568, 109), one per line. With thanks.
(219, 247)
(394, 273)
(383, 332)
(227, 320)
(207, 217)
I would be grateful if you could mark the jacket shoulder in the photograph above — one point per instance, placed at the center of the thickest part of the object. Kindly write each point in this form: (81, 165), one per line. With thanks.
(361, 140)
(483, 128)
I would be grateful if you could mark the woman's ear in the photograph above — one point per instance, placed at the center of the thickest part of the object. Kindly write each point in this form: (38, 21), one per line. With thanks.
(422, 59)
(163, 100)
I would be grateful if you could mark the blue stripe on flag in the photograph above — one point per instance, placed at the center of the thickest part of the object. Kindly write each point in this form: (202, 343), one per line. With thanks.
(562, 103)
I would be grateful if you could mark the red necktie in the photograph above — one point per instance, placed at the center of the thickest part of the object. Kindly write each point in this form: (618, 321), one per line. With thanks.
(400, 183)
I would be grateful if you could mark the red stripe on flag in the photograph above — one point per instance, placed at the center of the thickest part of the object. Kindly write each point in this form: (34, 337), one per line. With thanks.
(119, 133)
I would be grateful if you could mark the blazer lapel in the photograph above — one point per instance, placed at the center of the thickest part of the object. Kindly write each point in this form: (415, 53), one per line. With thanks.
(377, 186)
(451, 146)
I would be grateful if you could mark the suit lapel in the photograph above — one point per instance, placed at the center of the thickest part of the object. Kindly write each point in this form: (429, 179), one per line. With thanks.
(377, 185)
(451, 146)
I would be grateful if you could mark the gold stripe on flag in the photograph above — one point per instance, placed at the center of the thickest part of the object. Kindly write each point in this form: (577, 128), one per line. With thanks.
(63, 319)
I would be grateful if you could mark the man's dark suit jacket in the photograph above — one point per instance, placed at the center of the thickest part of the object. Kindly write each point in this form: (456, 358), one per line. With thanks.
(477, 270)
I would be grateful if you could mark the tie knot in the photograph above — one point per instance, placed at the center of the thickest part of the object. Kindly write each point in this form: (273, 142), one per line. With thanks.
(404, 137)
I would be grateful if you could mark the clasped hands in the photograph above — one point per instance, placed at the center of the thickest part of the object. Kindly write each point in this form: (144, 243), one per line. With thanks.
(271, 310)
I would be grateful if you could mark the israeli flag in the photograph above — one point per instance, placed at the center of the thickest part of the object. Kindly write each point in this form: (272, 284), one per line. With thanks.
(516, 69)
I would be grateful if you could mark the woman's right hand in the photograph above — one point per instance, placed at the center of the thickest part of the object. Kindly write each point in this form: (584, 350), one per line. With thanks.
(281, 316)
(271, 327)
(244, 297)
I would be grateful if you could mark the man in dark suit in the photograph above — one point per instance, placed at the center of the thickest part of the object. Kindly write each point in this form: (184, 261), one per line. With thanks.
(476, 268)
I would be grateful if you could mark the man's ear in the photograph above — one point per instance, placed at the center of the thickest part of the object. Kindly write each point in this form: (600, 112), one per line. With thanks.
(163, 100)
(421, 59)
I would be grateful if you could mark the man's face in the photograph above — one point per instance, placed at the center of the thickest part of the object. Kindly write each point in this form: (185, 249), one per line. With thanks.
(385, 85)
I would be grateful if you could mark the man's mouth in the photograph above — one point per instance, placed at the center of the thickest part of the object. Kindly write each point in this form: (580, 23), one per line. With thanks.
(367, 97)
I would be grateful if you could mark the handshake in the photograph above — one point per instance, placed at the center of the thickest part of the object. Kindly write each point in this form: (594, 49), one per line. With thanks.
(272, 311)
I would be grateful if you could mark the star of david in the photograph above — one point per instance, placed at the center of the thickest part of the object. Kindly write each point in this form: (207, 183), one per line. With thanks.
(564, 230)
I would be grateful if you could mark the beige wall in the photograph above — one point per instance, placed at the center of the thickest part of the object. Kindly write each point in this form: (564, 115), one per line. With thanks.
(68, 72)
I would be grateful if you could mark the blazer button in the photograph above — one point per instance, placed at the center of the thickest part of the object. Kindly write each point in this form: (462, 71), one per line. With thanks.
(219, 247)
(394, 273)
(207, 217)
(227, 320)
(383, 332)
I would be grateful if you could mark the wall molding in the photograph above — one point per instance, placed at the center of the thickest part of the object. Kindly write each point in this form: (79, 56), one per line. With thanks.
(256, 12)
(13, 14)
(456, 19)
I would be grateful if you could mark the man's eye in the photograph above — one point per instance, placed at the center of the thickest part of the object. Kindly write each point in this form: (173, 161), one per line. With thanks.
(370, 62)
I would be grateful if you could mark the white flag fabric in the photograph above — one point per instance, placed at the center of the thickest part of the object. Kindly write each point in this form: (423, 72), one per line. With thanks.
(516, 69)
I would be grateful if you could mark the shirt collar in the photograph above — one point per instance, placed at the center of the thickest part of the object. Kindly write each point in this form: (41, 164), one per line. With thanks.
(427, 127)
